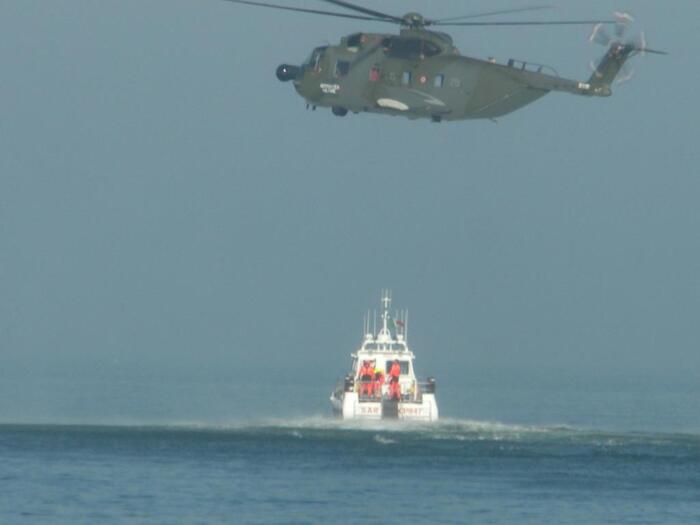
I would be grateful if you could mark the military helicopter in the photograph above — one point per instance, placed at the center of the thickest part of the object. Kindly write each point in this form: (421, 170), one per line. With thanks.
(419, 73)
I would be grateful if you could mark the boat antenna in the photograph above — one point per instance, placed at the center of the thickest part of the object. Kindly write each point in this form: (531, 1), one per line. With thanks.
(405, 327)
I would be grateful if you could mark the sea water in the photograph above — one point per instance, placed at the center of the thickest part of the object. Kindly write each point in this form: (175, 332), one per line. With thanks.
(594, 462)
(322, 471)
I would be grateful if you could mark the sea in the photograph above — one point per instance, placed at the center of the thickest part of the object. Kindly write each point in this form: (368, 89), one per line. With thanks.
(176, 452)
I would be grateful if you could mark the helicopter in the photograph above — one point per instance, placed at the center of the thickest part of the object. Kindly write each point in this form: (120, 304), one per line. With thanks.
(420, 74)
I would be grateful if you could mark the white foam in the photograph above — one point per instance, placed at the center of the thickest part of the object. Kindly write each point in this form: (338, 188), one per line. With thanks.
(384, 440)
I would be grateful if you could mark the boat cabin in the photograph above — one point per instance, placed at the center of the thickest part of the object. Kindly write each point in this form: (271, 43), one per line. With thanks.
(380, 351)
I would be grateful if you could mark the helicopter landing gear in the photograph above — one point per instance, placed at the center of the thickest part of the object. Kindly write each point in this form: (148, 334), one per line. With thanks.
(338, 111)
(436, 118)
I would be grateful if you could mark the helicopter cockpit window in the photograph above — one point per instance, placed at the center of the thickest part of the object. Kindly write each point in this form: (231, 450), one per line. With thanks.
(354, 40)
(430, 49)
(410, 48)
(315, 59)
(342, 68)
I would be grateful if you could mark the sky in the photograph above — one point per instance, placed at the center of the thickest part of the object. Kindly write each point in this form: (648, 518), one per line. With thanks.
(169, 209)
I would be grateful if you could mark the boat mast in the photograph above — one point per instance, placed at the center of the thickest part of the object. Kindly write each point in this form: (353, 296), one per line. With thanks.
(384, 336)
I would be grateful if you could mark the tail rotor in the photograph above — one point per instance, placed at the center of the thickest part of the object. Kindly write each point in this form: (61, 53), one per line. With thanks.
(619, 45)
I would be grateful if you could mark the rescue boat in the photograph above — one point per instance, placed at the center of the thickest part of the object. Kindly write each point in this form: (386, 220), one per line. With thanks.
(392, 391)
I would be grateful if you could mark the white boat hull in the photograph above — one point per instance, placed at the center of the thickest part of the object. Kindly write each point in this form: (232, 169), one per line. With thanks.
(350, 407)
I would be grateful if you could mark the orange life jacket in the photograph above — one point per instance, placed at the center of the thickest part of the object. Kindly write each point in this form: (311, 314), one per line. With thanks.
(395, 370)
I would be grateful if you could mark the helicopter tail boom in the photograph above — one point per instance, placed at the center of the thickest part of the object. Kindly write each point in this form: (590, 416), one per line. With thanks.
(600, 82)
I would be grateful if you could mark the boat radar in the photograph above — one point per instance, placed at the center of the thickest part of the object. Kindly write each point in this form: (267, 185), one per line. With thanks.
(382, 383)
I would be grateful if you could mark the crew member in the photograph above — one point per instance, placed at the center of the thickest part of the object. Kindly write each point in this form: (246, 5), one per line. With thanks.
(394, 386)
(366, 375)
(378, 382)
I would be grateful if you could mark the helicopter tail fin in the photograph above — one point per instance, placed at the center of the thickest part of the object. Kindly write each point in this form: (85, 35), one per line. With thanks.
(609, 66)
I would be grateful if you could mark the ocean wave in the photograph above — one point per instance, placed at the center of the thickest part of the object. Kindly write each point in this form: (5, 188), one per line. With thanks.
(459, 432)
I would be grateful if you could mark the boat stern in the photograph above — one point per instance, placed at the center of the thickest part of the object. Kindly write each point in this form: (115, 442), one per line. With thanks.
(351, 407)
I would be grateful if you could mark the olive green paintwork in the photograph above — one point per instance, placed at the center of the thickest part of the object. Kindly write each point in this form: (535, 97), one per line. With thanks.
(383, 73)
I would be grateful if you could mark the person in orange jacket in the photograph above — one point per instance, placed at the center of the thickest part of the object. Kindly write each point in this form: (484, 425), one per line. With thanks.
(366, 375)
(394, 386)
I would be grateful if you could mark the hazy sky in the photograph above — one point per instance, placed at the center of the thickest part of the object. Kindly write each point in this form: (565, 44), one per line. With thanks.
(167, 205)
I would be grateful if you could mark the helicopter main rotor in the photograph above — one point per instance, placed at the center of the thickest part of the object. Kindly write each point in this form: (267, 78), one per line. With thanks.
(417, 21)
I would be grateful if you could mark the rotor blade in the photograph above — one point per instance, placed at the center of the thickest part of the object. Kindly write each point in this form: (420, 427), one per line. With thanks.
(492, 13)
(312, 11)
(559, 23)
(623, 21)
(641, 45)
(599, 35)
(623, 17)
(364, 10)
(626, 74)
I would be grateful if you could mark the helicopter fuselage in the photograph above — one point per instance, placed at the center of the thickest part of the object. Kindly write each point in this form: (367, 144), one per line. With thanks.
(420, 74)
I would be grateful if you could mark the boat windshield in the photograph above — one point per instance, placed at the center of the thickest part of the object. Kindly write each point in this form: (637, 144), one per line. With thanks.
(404, 366)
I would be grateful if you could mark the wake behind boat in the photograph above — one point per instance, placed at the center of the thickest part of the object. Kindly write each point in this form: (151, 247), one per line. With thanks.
(382, 383)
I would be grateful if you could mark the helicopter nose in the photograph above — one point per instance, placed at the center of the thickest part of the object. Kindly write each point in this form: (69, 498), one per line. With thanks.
(286, 72)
